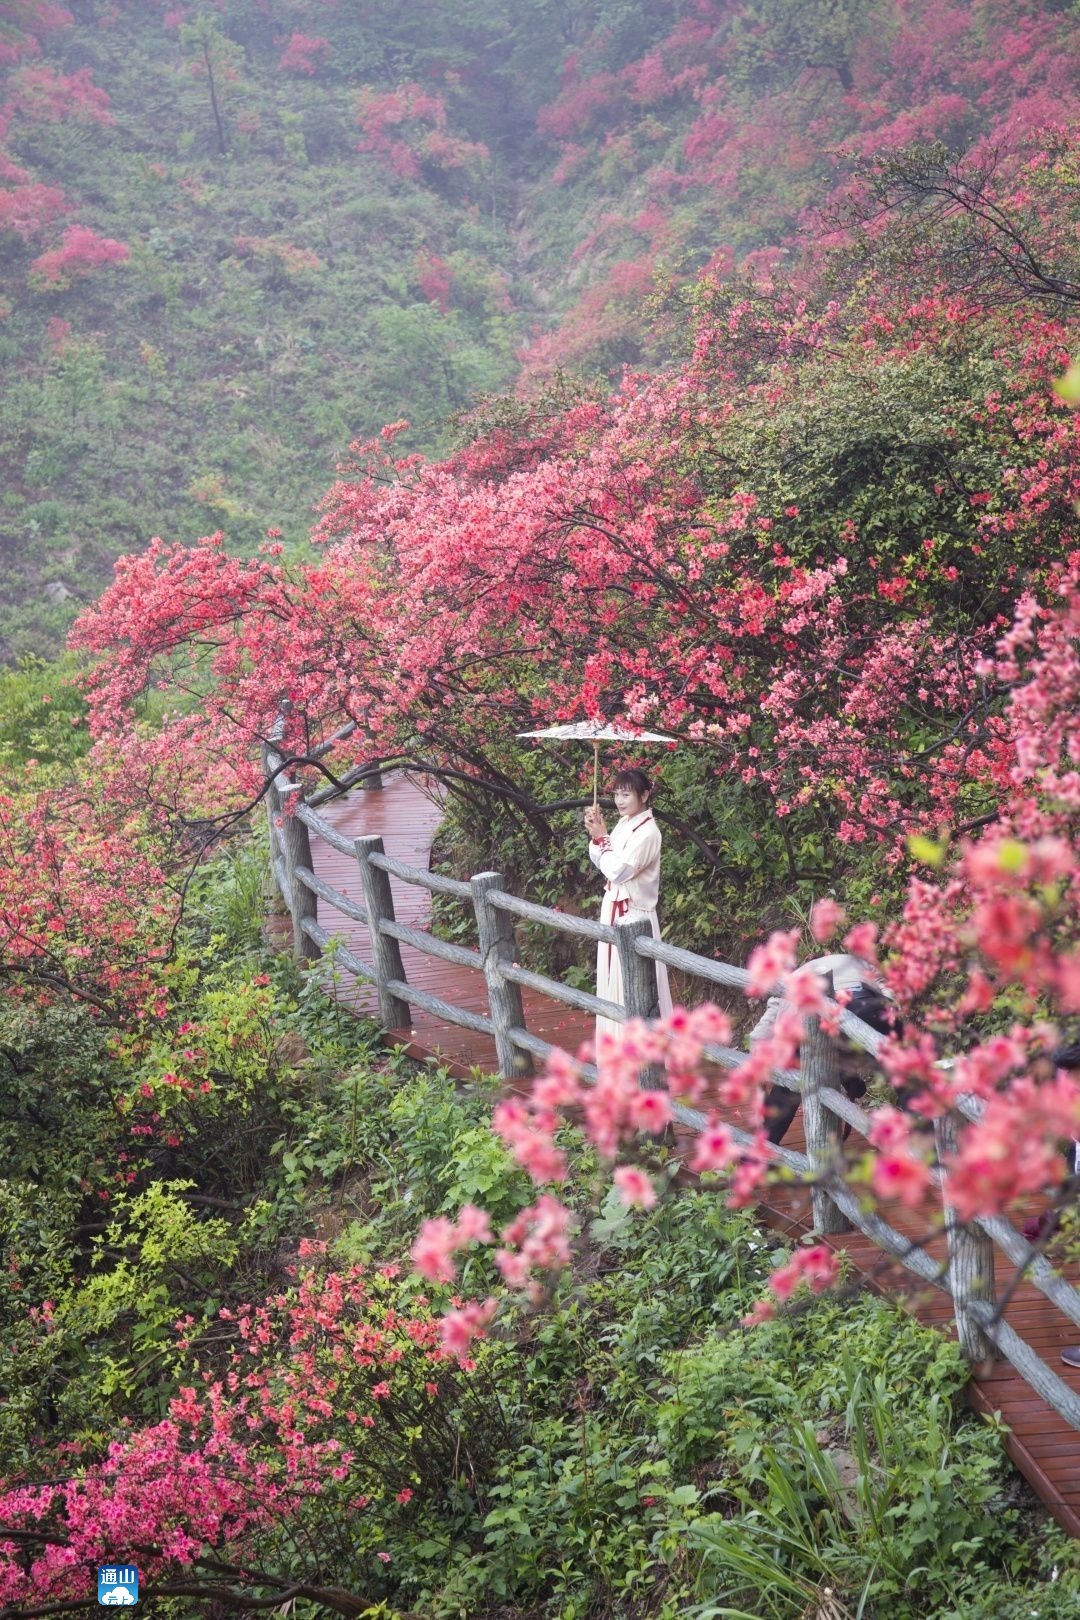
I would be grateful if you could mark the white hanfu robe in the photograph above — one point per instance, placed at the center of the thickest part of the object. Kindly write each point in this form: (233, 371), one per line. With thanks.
(629, 858)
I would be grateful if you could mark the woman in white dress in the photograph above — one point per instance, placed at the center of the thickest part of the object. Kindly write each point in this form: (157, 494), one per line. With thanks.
(629, 858)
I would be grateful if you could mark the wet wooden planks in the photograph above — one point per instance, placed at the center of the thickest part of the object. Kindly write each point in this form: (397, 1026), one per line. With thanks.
(406, 815)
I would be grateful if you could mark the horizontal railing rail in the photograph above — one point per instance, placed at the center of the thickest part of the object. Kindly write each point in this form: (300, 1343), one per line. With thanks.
(433, 882)
(701, 967)
(333, 897)
(329, 835)
(564, 922)
(583, 1000)
(460, 955)
(967, 1274)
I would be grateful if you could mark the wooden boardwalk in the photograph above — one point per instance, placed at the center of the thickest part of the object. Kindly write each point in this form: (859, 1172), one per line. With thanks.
(406, 818)
(1043, 1446)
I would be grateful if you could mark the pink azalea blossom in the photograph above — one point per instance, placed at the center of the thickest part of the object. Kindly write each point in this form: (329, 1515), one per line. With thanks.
(769, 963)
(889, 1129)
(714, 1149)
(806, 992)
(635, 1187)
(434, 1248)
(459, 1328)
(901, 1175)
(819, 1267)
(861, 941)
(826, 916)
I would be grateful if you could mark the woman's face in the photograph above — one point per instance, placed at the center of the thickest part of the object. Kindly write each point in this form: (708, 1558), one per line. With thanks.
(627, 802)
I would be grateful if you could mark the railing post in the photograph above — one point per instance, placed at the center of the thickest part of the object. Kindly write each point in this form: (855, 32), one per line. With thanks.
(296, 847)
(273, 811)
(971, 1257)
(496, 937)
(638, 975)
(385, 952)
(820, 1067)
(639, 985)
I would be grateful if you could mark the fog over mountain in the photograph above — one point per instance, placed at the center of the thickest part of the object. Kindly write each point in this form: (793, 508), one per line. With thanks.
(237, 235)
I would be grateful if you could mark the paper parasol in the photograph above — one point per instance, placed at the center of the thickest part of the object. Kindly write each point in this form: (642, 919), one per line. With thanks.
(597, 732)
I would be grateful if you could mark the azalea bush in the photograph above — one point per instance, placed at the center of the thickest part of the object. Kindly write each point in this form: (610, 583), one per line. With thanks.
(831, 548)
(319, 1440)
(676, 552)
(286, 1413)
(989, 952)
(649, 146)
(874, 704)
(335, 1388)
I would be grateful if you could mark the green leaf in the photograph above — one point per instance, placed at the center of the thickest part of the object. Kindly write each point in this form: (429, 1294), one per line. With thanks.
(1012, 856)
(1067, 386)
(925, 850)
(684, 1496)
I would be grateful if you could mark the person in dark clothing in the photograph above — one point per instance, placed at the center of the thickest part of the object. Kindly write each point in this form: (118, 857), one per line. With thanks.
(1066, 1057)
(868, 1002)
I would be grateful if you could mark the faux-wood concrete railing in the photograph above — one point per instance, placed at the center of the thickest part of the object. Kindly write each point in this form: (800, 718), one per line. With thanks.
(969, 1275)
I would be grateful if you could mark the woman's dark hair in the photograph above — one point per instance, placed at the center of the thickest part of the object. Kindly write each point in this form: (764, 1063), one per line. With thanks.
(636, 781)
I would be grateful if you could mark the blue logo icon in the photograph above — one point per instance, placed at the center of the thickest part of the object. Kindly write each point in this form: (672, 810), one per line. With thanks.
(118, 1585)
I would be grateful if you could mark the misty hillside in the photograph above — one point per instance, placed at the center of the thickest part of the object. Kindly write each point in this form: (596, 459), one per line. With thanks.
(237, 236)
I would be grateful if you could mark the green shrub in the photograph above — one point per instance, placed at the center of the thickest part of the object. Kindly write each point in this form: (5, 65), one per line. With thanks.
(852, 1471)
(58, 1085)
(42, 715)
(38, 1256)
(157, 1260)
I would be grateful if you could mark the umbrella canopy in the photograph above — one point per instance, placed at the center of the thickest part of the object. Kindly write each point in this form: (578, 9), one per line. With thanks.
(597, 732)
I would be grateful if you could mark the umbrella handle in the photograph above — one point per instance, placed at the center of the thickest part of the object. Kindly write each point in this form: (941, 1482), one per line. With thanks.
(596, 775)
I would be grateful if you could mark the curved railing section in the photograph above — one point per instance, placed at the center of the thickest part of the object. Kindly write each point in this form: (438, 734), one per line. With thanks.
(968, 1275)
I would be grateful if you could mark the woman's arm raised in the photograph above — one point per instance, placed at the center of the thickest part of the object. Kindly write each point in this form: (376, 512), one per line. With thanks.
(640, 851)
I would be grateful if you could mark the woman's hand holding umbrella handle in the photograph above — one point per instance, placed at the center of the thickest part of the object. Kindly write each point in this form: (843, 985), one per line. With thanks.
(595, 824)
